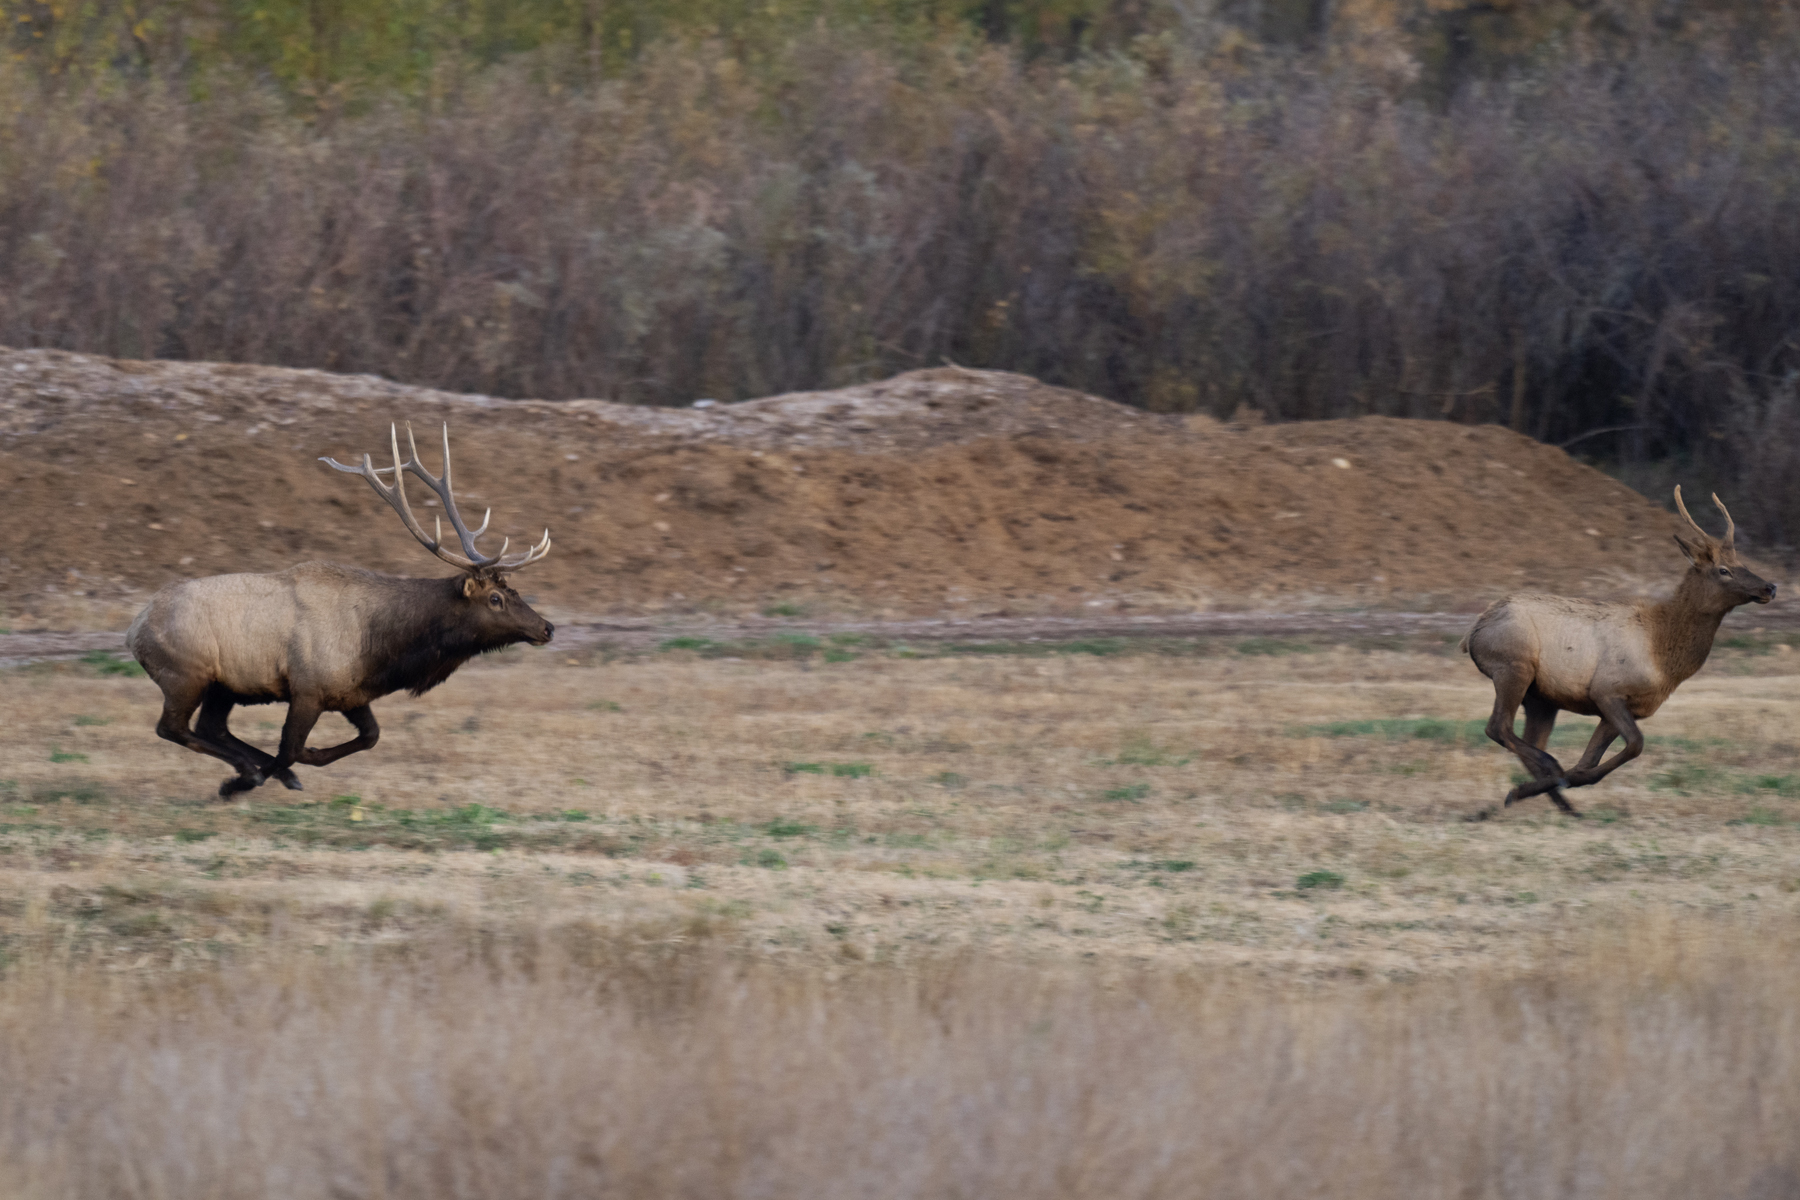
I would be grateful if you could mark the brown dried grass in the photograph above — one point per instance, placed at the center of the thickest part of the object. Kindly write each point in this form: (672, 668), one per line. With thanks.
(1659, 1063)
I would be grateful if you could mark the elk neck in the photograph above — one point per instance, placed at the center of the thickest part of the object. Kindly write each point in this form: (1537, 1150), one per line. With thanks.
(419, 636)
(1683, 626)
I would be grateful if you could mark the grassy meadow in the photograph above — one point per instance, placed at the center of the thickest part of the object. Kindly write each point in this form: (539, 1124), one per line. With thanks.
(1112, 917)
(1289, 807)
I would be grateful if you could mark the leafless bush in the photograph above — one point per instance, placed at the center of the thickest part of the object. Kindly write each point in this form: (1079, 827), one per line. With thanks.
(1654, 1065)
(1604, 242)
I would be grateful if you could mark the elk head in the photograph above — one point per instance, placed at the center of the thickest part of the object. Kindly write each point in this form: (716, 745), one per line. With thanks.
(1726, 580)
(496, 613)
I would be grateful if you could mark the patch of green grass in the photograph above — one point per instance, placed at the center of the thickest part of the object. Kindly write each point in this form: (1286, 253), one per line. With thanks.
(574, 814)
(1099, 647)
(784, 610)
(697, 644)
(87, 722)
(605, 706)
(195, 835)
(1785, 786)
(1175, 865)
(138, 924)
(803, 768)
(1430, 729)
(81, 793)
(772, 861)
(1683, 779)
(111, 664)
(1140, 751)
(1746, 643)
(835, 655)
(1344, 806)
(1760, 816)
(66, 756)
(1327, 880)
(1271, 647)
(1131, 791)
(781, 827)
(852, 770)
(848, 639)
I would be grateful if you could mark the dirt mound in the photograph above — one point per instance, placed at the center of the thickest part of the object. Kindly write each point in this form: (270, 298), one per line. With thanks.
(972, 491)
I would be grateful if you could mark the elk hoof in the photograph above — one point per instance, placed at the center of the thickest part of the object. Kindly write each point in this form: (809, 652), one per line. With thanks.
(240, 783)
(289, 782)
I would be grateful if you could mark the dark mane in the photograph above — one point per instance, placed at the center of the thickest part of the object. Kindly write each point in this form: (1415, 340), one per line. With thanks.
(419, 639)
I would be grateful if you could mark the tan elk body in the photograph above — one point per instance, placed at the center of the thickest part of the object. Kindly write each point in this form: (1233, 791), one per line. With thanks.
(1618, 662)
(326, 638)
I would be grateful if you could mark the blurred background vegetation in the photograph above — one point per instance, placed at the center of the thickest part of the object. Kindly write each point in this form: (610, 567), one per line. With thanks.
(1580, 219)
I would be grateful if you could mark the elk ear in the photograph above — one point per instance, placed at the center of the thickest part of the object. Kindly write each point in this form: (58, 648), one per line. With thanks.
(471, 585)
(1699, 555)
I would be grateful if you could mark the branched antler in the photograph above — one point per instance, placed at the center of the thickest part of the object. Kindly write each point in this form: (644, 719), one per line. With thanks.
(395, 495)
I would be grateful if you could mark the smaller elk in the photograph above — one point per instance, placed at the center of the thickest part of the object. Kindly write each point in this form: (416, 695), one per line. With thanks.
(1618, 662)
(324, 638)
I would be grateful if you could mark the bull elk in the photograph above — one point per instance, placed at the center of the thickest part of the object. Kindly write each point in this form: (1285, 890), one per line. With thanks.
(1618, 662)
(326, 638)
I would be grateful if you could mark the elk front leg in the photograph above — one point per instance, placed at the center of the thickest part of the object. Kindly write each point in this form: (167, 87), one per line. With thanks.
(302, 715)
(1604, 735)
(368, 733)
(1614, 713)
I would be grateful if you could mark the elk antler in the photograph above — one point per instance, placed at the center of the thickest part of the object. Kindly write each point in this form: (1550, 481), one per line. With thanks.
(395, 495)
(1730, 526)
(1707, 537)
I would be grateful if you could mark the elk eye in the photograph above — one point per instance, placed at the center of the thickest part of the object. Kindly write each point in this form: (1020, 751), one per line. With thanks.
(1725, 571)
(496, 600)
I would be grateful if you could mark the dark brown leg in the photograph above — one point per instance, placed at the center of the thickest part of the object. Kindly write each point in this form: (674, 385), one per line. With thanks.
(1604, 733)
(368, 733)
(1614, 712)
(178, 709)
(214, 726)
(1510, 690)
(1540, 723)
(303, 714)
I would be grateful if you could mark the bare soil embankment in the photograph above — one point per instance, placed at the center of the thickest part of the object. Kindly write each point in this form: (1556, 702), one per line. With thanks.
(966, 492)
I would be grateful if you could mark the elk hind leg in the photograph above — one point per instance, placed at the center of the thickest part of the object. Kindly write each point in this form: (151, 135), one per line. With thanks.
(1540, 723)
(214, 725)
(178, 710)
(1510, 690)
(367, 734)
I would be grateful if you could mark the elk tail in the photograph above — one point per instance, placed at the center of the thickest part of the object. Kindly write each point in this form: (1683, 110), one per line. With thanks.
(1469, 637)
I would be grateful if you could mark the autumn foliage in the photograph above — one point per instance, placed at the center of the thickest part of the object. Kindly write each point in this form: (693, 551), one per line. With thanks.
(1579, 221)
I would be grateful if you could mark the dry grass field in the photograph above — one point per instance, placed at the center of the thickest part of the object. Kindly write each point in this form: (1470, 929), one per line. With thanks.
(1285, 806)
(857, 919)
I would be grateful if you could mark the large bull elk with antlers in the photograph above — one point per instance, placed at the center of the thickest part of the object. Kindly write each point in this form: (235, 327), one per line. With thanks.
(326, 638)
(1618, 662)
